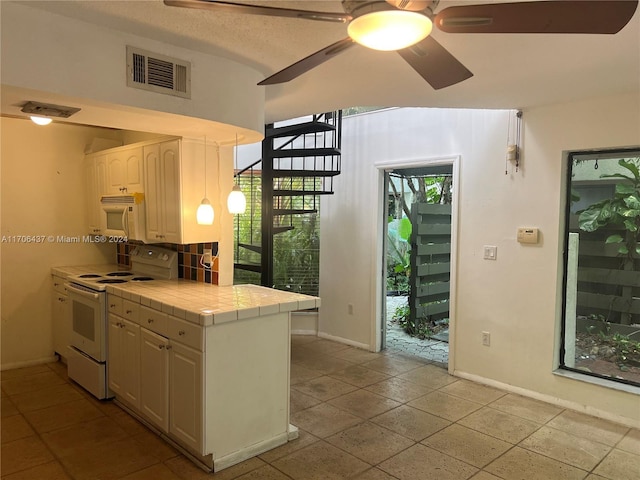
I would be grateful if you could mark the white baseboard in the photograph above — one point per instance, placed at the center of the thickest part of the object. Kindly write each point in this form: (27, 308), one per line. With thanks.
(346, 341)
(303, 332)
(543, 397)
(252, 451)
(28, 363)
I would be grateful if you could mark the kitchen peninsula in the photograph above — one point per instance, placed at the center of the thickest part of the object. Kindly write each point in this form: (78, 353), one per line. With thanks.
(206, 366)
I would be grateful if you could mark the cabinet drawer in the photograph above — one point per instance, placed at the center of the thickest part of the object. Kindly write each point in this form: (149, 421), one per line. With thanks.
(114, 304)
(131, 311)
(154, 320)
(58, 284)
(186, 333)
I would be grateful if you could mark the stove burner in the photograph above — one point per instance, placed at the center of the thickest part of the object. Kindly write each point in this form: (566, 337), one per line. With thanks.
(141, 279)
(119, 274)
(90, 275)
(111, 280)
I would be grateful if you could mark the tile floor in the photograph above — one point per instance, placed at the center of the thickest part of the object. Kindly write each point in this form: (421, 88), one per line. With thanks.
(361, 415)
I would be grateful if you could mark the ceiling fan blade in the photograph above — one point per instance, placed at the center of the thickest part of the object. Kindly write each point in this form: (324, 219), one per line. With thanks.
(560, 16)
(229, 7)
(307, 63)
(435, 64)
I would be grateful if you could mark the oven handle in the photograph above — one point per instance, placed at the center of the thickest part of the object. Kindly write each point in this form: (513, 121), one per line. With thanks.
(79, 290)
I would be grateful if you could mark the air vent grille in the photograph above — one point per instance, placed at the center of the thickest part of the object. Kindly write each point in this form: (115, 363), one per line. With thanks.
(158, 73)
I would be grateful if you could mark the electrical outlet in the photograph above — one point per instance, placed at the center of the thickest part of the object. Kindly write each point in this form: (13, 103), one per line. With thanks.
(206, 257)
(486, 339)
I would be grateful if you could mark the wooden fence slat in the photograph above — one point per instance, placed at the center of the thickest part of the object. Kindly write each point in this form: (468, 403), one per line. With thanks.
(609, 277)
(434, 229)
(433, 269)
(434, 248)
(435, 209)
(432, 309)
(433, 289)
(609, 302)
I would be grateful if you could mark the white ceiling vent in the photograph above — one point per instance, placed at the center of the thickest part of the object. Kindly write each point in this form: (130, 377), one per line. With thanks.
(158, 73)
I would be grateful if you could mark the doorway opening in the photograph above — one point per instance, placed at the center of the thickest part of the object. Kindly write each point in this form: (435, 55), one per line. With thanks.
(417, 273)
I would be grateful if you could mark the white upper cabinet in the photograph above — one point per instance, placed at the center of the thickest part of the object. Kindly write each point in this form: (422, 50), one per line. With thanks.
(95, 178)
(124, 171)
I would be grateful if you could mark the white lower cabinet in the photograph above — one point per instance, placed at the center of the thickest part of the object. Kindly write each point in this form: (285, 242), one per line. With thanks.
(124, 359)
(61, 317)
(154, 378)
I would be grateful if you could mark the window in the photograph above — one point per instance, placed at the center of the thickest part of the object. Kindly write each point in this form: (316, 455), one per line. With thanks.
(601, 324)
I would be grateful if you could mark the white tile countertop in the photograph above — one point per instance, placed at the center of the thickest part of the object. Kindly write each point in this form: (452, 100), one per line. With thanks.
(201, 303)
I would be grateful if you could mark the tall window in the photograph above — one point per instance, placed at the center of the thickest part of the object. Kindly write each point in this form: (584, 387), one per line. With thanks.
(601, 325)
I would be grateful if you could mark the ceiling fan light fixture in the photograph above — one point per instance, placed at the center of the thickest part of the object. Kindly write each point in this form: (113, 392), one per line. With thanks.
(40, 120)
(390, 29)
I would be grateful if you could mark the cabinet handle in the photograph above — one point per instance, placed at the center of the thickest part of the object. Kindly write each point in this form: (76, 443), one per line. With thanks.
(181, 332)
(128, 311)
(161, 347)
(168, 347)
(55, 284)
(149, 320)
(113, 305)
(122, 325)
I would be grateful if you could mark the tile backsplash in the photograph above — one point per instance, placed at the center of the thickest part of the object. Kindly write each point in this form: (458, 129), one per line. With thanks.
(189, 259)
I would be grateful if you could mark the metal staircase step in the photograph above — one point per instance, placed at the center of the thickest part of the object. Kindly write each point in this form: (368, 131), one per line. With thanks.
(305, 152)
(298, 193)
(293, 211)
(277, 230)
(304, 173)
(253, 248)
(299, 129)
(249, 267)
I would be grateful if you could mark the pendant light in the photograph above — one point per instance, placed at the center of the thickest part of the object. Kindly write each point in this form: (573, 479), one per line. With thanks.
(204, 214)
(236, 202)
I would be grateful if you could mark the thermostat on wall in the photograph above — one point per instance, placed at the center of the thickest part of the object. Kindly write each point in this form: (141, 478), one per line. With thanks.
(527, 235)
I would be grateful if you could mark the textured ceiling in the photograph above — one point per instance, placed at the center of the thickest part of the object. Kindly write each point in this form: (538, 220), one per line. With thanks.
(509, 70)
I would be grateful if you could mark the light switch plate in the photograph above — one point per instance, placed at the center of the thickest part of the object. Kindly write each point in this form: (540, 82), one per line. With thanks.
(490, 252)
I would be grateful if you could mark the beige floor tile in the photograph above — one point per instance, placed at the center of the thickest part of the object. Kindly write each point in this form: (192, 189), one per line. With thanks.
(582, 425)
(46, 471)
(154, 472)
(370, 442)
(90, 435)
(592, 476)
(320, 461)
(631, 442)
(128, 423)
(63, 415)
(108, 461)
(521, 464)
(299, 401)
(473, 392)
(23, 372)
(237, 470)
(22, 454)
(301, 374)
(30, 383)
(325, 347)
(445, 406)
(619, 465)
(323, 363)
(393, 365)
(364, 404)
(397, 389)
(304, 439)
(467, 445)
(153, 444)
(14, 428)
(324, 420)
(424, 463)
(47, 397)
(59, 368)
(500, 425)
(411, 422)
(264, 473)
(324, 388)
(527, 408)
(484, 476)
(357, 355)
(302, 339)
(359, 376)
(429, 376)
(577, 451)
(374, 474)
(7, 408)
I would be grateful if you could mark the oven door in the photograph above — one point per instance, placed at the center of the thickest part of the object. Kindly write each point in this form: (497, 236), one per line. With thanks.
(88, 321)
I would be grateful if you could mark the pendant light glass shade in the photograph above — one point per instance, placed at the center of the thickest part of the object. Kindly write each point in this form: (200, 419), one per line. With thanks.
(204, 214)
(390, 29)
(236, 202)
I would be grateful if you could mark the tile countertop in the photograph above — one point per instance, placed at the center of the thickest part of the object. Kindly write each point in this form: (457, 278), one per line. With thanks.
(201, 303)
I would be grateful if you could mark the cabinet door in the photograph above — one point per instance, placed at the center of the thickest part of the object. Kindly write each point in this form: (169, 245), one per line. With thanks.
(61, 317)
(154, 378)
(171, 202)
(115, 356)
(116, 173)
(134, 179)
(185, 395)
(130, 337)
(153, 192)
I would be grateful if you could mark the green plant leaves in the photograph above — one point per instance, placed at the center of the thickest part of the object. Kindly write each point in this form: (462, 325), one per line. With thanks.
(404, 229)
(614, 239)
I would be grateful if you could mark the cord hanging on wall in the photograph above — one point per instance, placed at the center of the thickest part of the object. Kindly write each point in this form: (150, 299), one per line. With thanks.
(514, 150)
(204, 214)
(236, 202)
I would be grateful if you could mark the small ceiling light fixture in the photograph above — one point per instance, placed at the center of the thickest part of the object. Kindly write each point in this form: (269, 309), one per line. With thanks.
(236, 202)
(41, 113)
(205, 214)
(381, 26)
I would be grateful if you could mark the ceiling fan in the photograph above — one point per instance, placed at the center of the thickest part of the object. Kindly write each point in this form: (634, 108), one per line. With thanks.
(408, 23)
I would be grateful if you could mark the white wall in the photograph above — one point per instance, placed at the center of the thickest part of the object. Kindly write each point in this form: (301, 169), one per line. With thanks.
(42, 194)
(517, 297)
